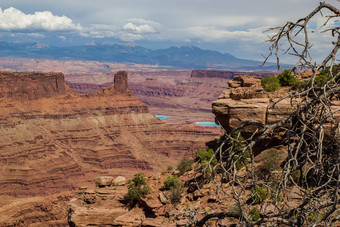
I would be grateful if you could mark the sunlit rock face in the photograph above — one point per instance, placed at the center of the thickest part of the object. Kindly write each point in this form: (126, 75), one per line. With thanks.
(53, 139)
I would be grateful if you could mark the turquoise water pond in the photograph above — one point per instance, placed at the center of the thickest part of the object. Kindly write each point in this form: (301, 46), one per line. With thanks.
(162, 117)
(207, 124)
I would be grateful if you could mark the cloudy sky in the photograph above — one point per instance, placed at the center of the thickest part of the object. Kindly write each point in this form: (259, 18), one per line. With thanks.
(233, 26)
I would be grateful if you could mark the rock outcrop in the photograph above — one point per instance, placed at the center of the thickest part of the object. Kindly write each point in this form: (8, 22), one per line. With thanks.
(30, 86)
(246, 100)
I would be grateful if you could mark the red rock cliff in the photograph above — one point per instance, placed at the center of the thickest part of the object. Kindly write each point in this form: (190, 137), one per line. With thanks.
(58, 140)
(30, 86)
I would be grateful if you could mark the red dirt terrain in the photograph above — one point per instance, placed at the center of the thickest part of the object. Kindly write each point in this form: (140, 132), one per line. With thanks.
(54, 140)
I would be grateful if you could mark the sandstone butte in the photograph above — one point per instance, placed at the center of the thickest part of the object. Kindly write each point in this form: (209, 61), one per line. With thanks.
(54, 140)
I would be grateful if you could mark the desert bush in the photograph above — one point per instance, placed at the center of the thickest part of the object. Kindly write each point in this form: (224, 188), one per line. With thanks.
(286, 78)
(176, 193)
(170, 168)
(137, 188)
(184, 165)
(170, 182)
(323, 77)
(176, 188)
(237, 143)
(254, 214)
(314, 217)
(296, 177)
(204, 157)
(258, 195)
(270, 83)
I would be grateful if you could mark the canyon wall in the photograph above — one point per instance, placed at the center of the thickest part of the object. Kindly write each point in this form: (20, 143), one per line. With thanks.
(29, 86)
(57, 142)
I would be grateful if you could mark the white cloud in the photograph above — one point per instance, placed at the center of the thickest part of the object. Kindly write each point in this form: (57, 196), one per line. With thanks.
(36, 35)
(12, 19)
(139, 29)
(211, 34)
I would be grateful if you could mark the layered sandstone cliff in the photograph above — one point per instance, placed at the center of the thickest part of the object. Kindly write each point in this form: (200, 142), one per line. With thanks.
(30, 86)
(56, 141)
(246, 100)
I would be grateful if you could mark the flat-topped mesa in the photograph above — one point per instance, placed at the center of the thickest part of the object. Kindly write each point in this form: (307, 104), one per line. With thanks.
(31, 85)
(24, 86)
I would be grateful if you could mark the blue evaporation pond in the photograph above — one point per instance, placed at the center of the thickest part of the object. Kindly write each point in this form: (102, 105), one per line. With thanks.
(207, 124)
(162, 117)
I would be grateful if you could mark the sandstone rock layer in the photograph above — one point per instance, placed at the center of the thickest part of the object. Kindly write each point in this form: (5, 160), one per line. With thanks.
(56, 140)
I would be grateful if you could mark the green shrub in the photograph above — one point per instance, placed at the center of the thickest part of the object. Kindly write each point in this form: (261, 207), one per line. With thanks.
(323, 77)
(296, 176)
(176, 188)
(237, 143)
(254, 214)
(137, 188)
(170, 182)
(176, 193)
(170, 168)
(258, 195)
(314, 217)
(184, 165)
(204, 157)
(286, 78)
(270, 83)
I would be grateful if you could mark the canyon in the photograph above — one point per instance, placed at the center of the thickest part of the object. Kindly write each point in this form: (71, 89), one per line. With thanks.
(59, 132)
(55, 140)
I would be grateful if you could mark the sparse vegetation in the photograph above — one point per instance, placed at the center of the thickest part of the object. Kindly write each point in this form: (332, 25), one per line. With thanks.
(170, 168)
(170, 182)
(137, 188)
(237, 143)
(176, 193)
(176, 188)
(271, 83)
(286, 78)
(184, 165)
(206, 156)
(254, 214)
(258, 195)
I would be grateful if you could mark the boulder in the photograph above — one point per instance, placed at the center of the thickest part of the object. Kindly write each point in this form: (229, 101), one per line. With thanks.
(120, 181)
(162, 198)
(103, 181)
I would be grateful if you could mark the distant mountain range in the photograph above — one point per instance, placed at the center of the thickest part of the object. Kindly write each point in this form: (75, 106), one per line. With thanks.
(185, 57)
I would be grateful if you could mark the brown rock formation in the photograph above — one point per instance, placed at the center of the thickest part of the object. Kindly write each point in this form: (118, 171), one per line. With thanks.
(29, 86)
(246, 100)
(121, 82)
